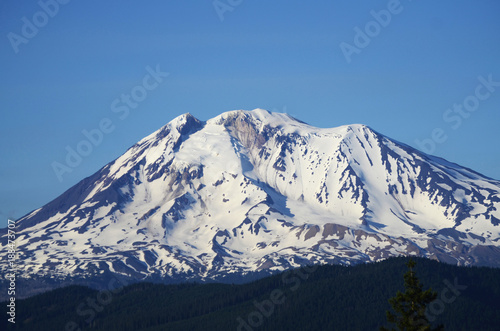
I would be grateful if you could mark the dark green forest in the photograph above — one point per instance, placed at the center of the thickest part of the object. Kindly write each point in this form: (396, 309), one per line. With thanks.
(328, 297)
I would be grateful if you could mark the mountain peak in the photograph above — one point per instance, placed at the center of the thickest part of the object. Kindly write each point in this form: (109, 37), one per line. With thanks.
(260, 115)
(254, 190)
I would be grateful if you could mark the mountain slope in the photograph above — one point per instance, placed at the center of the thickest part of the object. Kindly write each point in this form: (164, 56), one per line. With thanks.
(254, 191)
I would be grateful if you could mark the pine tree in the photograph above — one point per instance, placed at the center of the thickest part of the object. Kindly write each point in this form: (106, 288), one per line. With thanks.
(409, 307)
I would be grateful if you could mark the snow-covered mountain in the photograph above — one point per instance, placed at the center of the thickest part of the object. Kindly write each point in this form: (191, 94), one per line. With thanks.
(254, 191)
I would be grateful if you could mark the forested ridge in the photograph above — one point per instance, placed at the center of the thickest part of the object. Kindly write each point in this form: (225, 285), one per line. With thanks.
(330, 297)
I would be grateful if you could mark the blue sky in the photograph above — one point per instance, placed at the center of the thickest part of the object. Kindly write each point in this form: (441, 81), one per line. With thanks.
(417, 74)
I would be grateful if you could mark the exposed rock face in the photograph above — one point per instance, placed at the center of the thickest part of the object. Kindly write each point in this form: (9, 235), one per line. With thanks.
(251, 191)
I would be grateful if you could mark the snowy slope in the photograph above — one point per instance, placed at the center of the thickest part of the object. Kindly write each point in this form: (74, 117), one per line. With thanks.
(252, 190)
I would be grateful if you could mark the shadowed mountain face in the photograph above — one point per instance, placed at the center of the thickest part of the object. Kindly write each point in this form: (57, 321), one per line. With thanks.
(257, 191)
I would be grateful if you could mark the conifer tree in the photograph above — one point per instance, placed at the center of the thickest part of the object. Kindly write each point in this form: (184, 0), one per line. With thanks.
(409, 307)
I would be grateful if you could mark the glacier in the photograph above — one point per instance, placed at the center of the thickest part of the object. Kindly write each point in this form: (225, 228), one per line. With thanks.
(255, 191)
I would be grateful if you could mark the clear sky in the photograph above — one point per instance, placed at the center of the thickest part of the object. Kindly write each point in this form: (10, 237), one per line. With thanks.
(426, 73)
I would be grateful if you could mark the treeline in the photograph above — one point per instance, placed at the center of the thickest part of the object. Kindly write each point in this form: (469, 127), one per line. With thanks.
(313, 298)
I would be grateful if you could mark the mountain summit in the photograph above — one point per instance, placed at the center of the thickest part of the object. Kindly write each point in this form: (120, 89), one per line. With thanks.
(251, 191)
